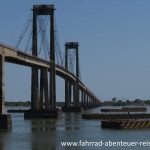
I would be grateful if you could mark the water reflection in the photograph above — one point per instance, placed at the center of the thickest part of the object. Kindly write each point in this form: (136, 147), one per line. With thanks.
(43, 125)
(43, 134)
(2, 140)
(72, 121)
(71, 132)
(47, 134)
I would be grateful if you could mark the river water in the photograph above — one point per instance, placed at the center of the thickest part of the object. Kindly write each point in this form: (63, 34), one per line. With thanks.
(48, 134)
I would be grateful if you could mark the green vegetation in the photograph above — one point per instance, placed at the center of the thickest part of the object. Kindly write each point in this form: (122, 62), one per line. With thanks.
(27, 103)
(113, 102)
(119, 102)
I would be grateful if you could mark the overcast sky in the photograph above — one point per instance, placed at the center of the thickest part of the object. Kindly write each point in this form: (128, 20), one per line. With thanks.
(114, 37)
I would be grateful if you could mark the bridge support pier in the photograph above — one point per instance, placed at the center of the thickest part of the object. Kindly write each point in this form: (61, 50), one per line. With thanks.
(89, 102)
(76, 107)
(68, 93)
(69, 107)
(82, 98)
(41, 89)
(45, 89)
(37, 101)
(93, 102)
(5, 119)
(44, 103)
(44, 110)
(34, 90)
(86, 101)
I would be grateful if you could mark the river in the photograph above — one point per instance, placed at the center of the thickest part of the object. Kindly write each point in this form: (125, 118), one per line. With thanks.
(48, 134)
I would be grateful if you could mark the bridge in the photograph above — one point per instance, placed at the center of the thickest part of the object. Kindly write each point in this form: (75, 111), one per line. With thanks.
(43, 91)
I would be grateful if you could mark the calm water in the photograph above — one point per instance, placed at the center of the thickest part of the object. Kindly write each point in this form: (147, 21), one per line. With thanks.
(47, 134)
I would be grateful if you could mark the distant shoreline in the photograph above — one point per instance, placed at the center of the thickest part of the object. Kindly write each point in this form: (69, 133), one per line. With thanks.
(136, 102)
(19, 103)
(26, 104)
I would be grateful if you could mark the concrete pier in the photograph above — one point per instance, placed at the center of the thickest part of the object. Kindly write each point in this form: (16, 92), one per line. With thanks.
(2, 85)
(125, 109)
(125, 124)
(30, 114)
(109, 116)
(72, 87)
(5, 120)
(43, 98)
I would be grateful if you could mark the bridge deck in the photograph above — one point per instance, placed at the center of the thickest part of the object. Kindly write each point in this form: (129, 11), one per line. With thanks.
(17, 57)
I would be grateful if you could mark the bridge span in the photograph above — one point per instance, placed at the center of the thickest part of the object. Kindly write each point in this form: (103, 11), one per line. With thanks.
(43, 92)
(14, 56)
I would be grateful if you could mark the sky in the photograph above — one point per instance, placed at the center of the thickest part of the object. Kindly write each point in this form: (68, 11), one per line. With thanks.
(114, 38)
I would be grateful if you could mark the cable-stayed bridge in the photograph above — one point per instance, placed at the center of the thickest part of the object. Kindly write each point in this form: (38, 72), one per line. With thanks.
(44, 69)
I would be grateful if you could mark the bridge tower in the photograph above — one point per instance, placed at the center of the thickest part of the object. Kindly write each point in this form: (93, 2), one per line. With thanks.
(68, 84)
(40, 95)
